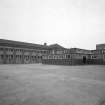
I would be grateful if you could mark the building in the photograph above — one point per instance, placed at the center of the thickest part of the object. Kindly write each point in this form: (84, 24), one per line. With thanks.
(100, 46)
(73, 56)
(15, 52)
(98, 55)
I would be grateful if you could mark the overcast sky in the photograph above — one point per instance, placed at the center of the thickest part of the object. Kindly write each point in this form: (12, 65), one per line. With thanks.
(70, 23)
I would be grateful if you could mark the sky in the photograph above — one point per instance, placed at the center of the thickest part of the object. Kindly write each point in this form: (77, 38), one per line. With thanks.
(70, 23)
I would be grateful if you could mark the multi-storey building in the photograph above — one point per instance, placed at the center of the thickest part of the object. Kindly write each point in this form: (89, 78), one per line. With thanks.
(100, 46)
(15, 52)
(98, 55)
(71, 56)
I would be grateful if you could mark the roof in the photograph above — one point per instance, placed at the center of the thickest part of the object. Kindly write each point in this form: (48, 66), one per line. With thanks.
(78, 50)
(56, 46)
(11, 43)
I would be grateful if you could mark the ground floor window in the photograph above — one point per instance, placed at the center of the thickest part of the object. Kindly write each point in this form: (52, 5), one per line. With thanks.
(2, 56)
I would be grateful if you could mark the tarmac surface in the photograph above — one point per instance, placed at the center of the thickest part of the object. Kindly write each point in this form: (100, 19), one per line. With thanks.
(38, 84)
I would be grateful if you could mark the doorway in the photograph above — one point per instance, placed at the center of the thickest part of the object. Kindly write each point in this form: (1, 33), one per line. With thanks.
(84, 59)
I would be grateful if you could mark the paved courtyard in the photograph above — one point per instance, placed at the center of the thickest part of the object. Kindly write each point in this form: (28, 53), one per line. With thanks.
(37, 84)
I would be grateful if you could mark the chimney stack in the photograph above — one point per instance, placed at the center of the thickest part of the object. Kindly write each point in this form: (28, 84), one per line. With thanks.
(45, 44)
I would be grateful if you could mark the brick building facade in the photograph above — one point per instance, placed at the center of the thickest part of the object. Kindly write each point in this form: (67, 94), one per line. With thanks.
(15, 52)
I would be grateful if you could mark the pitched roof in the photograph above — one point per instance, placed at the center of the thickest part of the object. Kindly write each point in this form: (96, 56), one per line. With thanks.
(18, 44)
(11, 43)
(56, 46)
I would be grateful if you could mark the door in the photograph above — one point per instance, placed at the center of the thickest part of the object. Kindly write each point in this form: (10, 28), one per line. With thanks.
(84, 59)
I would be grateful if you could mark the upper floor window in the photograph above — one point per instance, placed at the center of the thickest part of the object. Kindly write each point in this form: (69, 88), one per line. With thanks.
(103, 51)
(94, 56)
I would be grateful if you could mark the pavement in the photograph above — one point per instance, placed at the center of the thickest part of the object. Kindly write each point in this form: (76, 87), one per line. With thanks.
(38, 84)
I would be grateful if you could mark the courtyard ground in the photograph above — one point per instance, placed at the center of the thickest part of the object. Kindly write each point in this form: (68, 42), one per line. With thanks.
(38, 84)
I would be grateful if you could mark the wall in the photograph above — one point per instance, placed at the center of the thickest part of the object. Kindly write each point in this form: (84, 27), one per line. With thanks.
(11, 55)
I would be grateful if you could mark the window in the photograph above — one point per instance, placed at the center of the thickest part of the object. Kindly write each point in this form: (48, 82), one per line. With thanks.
(68, 56)
(11, 49)
(94, 56)
(17, 56)
(6, 56)
(2, 56)
(6, 49)
(11, 56)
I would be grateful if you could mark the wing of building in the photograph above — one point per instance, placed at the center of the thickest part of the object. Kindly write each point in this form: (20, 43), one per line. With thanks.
(15, 52)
